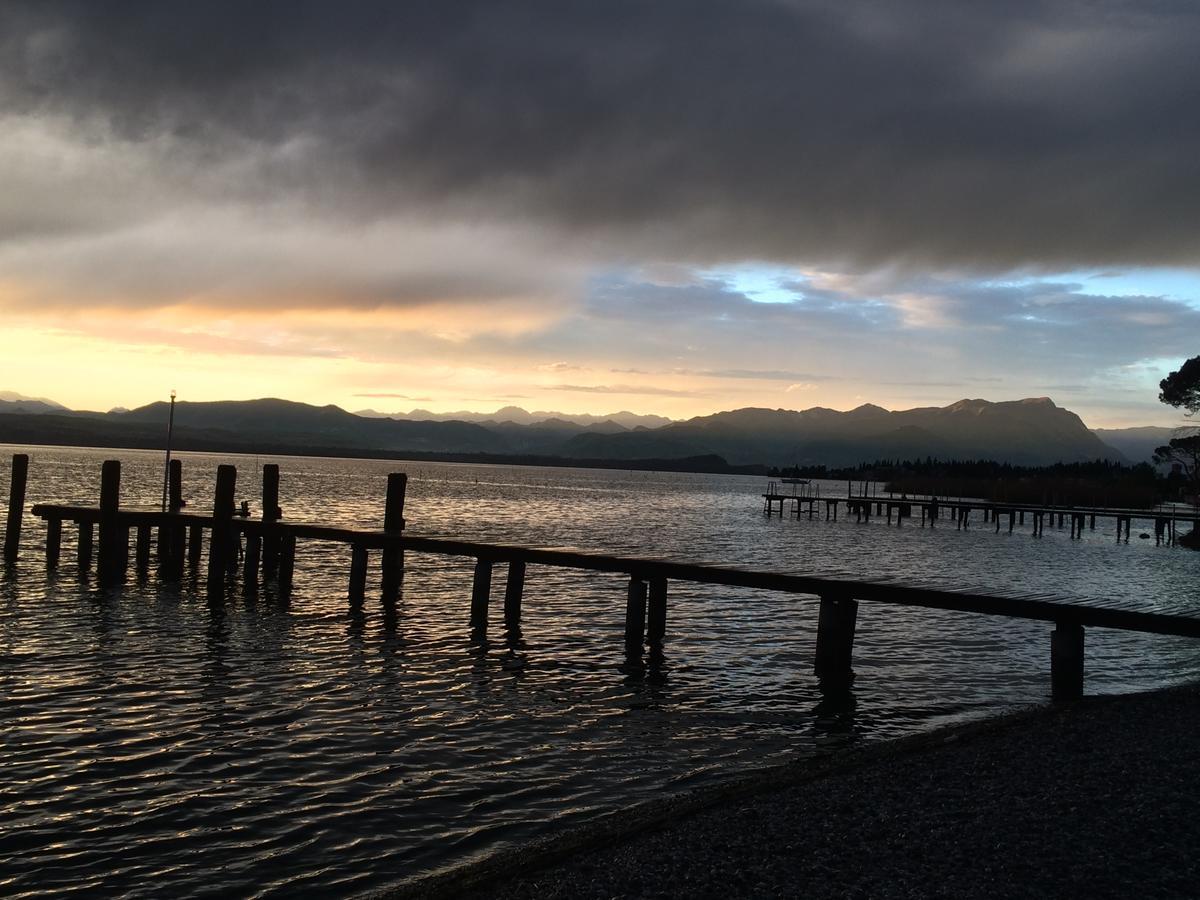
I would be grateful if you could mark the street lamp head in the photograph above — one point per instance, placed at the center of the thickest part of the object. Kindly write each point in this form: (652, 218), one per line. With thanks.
(172, 393)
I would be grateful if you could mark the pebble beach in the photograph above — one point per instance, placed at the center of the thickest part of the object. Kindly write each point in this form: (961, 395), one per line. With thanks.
(1093, 799)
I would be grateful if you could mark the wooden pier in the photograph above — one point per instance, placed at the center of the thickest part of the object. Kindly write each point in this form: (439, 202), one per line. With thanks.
(932, 509)
(271, 545)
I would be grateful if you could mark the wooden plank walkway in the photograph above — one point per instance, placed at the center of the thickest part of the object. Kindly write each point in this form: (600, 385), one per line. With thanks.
(270, 549)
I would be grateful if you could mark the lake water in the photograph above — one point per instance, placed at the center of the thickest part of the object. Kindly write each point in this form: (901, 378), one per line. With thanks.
(153, 744)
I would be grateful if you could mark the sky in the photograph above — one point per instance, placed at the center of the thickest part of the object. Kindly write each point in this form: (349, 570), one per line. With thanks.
(666, 207)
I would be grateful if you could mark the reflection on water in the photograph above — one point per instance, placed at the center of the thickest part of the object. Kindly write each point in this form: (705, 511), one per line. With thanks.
(263, 748)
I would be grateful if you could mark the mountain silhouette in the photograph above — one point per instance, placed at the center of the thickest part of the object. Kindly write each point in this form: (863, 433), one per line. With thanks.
(1028, 432)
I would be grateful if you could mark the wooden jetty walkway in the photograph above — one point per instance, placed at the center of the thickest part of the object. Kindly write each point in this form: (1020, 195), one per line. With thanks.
(176, 538)
(958, 510)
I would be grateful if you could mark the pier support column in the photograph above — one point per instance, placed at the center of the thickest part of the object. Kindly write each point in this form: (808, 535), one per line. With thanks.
(53, 542)
(16, 506)
(220, 539)
(656, 627)
(358, 573)
(195, 544)
(251, 562)
(142, 551)
(481, 593)
(1066, 661)
(111, 568)
(86, 543)
(392, 558)
(514, 587)
(171, 539)
(635, 617)
(270, 515)
(835, 636)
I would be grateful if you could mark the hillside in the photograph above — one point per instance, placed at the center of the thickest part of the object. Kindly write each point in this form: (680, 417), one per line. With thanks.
(1027, 432)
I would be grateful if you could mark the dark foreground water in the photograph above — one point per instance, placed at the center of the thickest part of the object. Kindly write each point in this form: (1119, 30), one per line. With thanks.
(153, 745)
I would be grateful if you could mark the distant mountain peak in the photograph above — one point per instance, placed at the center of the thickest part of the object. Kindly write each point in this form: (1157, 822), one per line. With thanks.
(14, 397)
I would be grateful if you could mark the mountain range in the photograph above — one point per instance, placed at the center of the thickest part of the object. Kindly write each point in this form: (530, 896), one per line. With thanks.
(519, 416)
(1028, 432)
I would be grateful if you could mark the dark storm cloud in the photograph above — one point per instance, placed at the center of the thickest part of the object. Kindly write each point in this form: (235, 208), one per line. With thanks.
(983, 135)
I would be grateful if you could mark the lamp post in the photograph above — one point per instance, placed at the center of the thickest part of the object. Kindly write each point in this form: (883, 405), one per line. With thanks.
(167, 464)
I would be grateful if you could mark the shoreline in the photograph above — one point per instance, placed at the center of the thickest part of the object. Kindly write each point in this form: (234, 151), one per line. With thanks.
(553, 866)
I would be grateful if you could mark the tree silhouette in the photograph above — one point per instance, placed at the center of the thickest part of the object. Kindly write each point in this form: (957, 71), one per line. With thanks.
(1182, 388)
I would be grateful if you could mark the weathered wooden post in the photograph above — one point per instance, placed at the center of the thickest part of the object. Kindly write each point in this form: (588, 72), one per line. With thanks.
(86, 543)
(16, 507)
(172, 539)
(220, 540)
(835, 636)
(111, 568)
(514, 587)
(635, 616)
(481, 592)
(358, 573)
(1066, 661)
(392, 562)
(270, 515)
(142, 555)
(195, 544)
(251, 560)
(656, 627)
(53, 542)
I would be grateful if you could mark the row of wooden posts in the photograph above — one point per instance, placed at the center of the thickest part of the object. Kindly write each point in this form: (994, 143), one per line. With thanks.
(270, 547)
(932, 509)
(271, 551)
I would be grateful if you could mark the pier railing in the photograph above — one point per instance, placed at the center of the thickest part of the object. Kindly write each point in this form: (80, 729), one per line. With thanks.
(271, 545)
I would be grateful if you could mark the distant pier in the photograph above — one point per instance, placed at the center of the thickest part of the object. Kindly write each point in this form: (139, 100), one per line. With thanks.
(805, 503)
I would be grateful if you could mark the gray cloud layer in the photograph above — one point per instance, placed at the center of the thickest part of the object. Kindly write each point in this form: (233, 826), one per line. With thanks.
(934, 134)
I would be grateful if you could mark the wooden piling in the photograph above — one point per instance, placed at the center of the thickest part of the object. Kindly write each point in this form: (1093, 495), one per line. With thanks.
(835, 636)
(111, 568)
(358, 573)
(53, 542)
(1066, 661)
(86, 544)
(175, 486)
(220, 539)
(481, 592)
(635, 617)
(251, 561)
(195, 543)
(392, 558)
(514, 587)
(270, 515)
(173, 538)
(656, 626)
(143, 548)
(16, 507)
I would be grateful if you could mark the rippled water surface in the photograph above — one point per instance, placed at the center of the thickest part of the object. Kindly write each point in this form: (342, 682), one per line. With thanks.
(153, 744)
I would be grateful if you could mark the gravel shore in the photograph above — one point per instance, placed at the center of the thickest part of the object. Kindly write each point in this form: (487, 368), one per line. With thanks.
(1095, 799)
